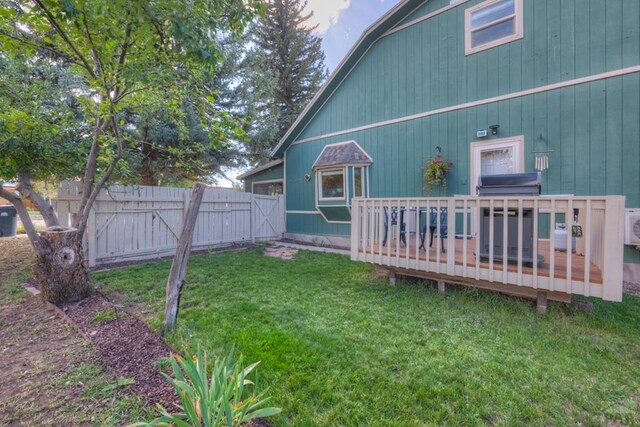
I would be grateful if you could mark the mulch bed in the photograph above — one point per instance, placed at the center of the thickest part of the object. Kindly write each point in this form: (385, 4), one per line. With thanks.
(126, 345)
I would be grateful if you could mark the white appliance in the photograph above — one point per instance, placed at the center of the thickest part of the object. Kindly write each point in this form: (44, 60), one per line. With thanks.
(632, 227)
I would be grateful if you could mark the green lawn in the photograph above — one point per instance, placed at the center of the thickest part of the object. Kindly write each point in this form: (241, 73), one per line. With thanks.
(340, 348)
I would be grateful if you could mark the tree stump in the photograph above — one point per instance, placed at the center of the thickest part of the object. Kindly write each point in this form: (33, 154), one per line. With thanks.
(60, 269)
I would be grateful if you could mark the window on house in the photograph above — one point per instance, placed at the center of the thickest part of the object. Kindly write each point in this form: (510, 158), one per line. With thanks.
(332, 184)
(268, 188)
(358, 182)
(492, 23)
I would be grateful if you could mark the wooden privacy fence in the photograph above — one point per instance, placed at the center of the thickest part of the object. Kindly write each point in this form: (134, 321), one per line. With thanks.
(138, 223)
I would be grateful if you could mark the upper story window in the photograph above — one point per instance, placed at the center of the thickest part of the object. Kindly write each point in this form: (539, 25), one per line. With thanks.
(492, 23)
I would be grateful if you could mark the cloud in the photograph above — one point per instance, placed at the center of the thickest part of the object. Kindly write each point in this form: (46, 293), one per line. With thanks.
(325, 12)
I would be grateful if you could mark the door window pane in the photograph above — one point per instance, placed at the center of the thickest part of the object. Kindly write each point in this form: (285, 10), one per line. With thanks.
(497, 162)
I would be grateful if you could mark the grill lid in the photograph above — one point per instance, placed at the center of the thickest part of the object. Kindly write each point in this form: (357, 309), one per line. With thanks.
(513, 184)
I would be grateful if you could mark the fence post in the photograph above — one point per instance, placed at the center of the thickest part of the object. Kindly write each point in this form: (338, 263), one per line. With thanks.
(613, 249)
(282, 206)
(178, 270)
(186, 195)
(355, 227)
(451, 236)
(91, 236)
(252, 221)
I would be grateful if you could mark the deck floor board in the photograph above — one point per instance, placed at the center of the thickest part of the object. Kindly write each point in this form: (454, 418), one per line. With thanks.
(396, 250)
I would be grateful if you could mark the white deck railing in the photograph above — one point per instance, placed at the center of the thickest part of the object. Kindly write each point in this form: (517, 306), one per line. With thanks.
(594, 268)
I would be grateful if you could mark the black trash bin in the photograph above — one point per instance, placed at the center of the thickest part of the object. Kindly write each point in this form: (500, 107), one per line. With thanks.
(8, 221)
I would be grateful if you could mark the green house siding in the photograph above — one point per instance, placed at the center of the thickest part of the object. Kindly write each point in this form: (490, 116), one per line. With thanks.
(271, 174)
(423, 67)
(314, 224)
(593, 127)
(424, 9)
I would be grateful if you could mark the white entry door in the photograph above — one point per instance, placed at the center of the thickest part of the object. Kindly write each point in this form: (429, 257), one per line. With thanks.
(495, 157)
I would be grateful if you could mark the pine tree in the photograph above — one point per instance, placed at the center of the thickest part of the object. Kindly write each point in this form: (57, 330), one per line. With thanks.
(286, 70)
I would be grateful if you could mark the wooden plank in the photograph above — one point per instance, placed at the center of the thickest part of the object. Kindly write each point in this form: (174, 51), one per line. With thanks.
(613, 250)
(522, 292)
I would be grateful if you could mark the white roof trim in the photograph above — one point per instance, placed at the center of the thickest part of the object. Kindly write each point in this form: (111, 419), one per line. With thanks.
(363, 36)
(260, 168)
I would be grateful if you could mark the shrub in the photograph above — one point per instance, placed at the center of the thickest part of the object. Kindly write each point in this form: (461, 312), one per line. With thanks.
(222, 400)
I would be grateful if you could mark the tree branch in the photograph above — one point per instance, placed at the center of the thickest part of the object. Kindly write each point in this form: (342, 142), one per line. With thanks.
(36, 241)
(94, 50)
(64, 36)
(119, 97)
(26, 189)
(90, 171)
(86, 211)
(38, 45)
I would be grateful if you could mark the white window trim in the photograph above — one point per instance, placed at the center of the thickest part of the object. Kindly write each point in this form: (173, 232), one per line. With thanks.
(518, 22)
(515, 142)
(344, 184)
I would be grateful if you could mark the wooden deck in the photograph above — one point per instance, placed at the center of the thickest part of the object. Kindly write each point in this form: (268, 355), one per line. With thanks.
(543, 269)
(594, 270)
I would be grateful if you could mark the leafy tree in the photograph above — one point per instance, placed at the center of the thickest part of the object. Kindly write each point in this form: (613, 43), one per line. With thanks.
(285, 70)
(128, 55)
(41, 134)
(179, 148)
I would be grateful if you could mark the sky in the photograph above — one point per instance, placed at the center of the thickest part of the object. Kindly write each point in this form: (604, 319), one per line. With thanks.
(341, 22)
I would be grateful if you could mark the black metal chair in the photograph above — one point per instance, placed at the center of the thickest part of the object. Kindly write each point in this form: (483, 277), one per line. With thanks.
(394, 221)
(433, 226)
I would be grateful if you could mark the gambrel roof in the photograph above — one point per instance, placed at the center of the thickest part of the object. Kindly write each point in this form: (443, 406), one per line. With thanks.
(370, 35)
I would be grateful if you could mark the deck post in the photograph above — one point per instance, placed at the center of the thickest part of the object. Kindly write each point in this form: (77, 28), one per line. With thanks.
(441, 286)
(541, 304)
(392, 277)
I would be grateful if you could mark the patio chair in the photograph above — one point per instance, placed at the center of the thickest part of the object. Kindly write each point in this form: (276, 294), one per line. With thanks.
(433, 225)
(394, 221)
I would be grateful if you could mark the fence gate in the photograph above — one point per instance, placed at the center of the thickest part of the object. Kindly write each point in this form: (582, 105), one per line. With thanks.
(268, 217)
(139, 222)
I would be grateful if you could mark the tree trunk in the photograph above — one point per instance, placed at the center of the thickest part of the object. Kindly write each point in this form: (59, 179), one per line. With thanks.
(60, 269)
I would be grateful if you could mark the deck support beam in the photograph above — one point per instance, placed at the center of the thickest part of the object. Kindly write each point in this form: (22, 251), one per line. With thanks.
(392, 278)
(517, 291)
(441, 286)
(541, 303)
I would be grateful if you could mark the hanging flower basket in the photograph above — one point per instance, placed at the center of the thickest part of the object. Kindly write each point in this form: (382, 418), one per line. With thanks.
(435, 172)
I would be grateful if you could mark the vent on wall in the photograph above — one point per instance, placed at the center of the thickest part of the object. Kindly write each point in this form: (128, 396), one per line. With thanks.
(632, 227)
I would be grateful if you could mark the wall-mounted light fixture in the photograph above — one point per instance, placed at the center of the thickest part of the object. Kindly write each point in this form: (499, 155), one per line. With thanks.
(307, 177)
(494, 129)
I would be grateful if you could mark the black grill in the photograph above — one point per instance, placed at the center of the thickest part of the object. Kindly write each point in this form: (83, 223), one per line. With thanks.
(513, 184)
(519, 184)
